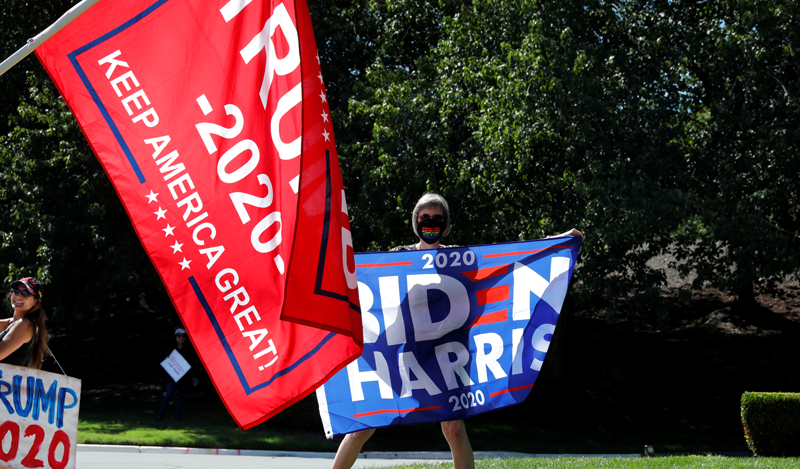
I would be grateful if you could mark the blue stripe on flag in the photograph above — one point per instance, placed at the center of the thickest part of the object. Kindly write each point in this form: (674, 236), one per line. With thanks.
(73, 57)
(232, 358)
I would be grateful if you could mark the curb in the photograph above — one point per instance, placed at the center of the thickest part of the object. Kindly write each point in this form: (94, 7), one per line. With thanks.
(427, 455)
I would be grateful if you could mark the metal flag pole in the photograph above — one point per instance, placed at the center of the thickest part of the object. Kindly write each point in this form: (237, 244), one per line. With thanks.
(40, 38)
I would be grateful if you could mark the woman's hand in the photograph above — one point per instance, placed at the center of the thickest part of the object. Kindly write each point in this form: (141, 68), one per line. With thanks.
(572, 232)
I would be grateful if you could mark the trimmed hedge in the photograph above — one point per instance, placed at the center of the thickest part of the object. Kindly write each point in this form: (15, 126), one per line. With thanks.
(772, 423)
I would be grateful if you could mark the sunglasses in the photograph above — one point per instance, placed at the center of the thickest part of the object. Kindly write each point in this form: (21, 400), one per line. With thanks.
(426, 217)
(22, 293)
(180, 335)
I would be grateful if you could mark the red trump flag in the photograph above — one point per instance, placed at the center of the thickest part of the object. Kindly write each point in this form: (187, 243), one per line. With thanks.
(210, 117)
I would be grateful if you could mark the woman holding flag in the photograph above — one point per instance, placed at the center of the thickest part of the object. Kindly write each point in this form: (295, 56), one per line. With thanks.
(430, 221)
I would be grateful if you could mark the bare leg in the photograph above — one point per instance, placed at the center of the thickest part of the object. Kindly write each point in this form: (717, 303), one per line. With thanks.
(455, 432)
(349, 448)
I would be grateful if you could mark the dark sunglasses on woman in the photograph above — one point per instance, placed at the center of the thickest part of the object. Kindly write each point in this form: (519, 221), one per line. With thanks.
(426, 217)
(22, 293)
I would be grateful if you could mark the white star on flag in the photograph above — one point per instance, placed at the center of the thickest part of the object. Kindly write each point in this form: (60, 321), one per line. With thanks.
(161, 213)
(324, 98)
(176, 247)
(324, 116)
(152, 196)
(326, 134)
(168, 230)
(320, 77)
(184, 264)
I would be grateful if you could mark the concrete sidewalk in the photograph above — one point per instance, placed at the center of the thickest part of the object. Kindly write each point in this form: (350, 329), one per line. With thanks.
(415, 455)
(153, 457)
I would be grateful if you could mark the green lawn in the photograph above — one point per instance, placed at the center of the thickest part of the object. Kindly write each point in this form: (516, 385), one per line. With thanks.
(204, 429)
(206, 424)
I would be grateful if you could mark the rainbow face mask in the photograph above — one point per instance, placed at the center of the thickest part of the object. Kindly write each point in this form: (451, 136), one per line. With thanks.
(430, 230)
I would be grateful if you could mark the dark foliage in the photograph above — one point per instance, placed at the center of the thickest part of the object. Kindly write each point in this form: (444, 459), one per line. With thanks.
(772, 423)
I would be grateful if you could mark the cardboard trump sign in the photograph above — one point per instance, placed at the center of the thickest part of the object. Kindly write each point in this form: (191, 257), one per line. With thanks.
(449, 333)
(210, 117)
(175, 365)
(38, 418)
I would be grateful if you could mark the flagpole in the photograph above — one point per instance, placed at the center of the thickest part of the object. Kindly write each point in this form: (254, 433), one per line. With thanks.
(40, 38)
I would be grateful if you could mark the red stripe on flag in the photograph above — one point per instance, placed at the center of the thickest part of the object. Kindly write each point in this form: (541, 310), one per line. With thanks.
(522, 253)
(386, 264)
(510, 390)
(481, 274)
(490, 318)
(398, 411)
(492, 295)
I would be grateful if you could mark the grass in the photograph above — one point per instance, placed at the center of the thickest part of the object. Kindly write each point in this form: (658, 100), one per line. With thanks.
(212, 427)
(207, 424)
(520, 437)
(708, 462)
(200, 435)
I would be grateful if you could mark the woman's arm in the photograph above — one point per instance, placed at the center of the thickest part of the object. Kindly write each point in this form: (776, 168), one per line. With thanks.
(572, 232)
(20, 333)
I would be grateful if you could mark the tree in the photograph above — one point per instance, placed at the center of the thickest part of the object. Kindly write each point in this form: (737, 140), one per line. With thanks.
(657, 127)
(62, 220)
(636, 121)
(744, 157)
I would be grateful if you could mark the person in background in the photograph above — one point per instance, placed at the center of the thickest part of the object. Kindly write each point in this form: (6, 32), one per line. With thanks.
(430, 222)
(182, 345)
(23, 341)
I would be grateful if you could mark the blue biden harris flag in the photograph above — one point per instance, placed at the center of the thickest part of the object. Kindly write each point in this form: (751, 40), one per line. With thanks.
(449, 333)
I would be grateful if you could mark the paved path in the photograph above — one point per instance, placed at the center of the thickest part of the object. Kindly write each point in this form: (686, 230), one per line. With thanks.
(99, 460)
(150, 457)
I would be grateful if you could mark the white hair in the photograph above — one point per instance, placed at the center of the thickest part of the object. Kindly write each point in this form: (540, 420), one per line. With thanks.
(431, 199)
